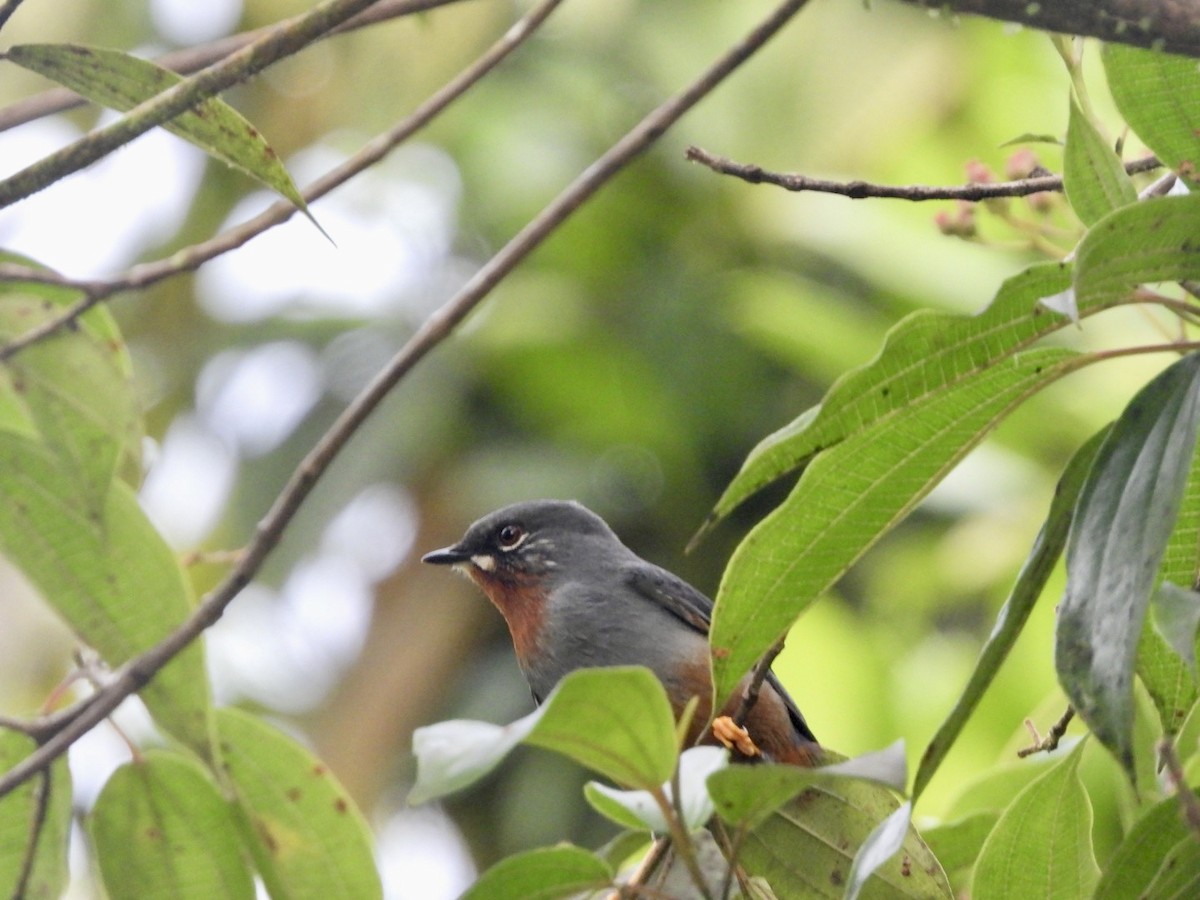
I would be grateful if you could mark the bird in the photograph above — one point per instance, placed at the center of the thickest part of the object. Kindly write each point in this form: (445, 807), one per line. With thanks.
(574, 596)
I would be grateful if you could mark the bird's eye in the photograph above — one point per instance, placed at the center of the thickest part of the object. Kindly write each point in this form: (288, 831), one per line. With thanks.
(510, 536)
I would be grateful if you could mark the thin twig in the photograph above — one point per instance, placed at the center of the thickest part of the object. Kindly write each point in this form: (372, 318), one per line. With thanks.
(757, 676)
(377, 148)
(187, 60)
(132, 676)
(1189, 805)
(1053, 736)
(282, 40)
(860, 190)
(37, 827)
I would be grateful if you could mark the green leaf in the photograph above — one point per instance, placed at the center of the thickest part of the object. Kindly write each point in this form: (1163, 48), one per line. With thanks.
(1141, 854)
(1031, 580)
(547, 873)
(1177, 619)
(20, 829)
(957, 844)
(307, 837)
(161, 828)
(1148, 242)
(745, 796)
(638, 809)
(849, 497)
(1179, 875)
(616, 721)
(925, 354)
(110, 575)
(73, 390)
(1158, 94)
(884, 842)
(1042, 845)
(1115, 548)
(806, 848)
(120, 81)
(1094, 179)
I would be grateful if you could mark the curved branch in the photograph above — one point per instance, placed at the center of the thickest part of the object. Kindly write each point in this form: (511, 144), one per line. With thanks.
(138, 671)
(1170, 25)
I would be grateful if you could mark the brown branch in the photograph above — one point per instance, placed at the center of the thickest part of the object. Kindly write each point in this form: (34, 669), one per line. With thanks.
(1053, 736)
(190, 258)
(187, 60)
(758, 675)
(860, 190)
(132, 676)
(1170, 25)
(6, 11)
(1189, 805)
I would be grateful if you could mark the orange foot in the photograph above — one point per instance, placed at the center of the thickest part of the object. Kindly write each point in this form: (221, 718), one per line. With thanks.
(734, 736)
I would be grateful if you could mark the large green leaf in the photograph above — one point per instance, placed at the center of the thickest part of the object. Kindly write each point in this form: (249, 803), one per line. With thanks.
(307, 837)
(1093, 177)
(1159, 96)
(925, 354)
(35, 817)
(120, 81)
(616, 721)
(161, 828)
(1148, 242)
(547, 873)
(110, 575)
(1042, 845)
(849, 497)
(1141, 854)
(806, 848)
(1025, 593)
(1126, 514)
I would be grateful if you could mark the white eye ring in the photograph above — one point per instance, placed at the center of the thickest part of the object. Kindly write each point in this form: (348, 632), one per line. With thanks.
(510, 537)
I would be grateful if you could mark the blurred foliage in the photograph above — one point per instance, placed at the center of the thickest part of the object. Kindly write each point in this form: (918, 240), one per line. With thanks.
(631, 364)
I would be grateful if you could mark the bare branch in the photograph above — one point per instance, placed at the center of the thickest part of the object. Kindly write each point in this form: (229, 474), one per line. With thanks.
(1170, 25)
(7, 9)
(193, 257)
(757, 676)
(861, 190)
(1189, 805)
(132, 676)
(1053, 736)
(187, 60)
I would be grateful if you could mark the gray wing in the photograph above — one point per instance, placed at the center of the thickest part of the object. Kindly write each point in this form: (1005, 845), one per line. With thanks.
(695, 610)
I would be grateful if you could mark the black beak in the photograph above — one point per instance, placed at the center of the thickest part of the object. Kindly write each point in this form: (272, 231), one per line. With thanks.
(447, 556)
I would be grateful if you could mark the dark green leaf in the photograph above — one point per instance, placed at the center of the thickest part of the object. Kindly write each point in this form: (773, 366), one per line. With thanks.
(1158, 94)
(1042, 845)
(1093, 177)
(1141, 854)
(110, 575)
(20, 830)
(161, 828)
(1025, 593)
(307, 837)
(1115, 548)
(120, 81)
(547, 873)
(849, 497)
